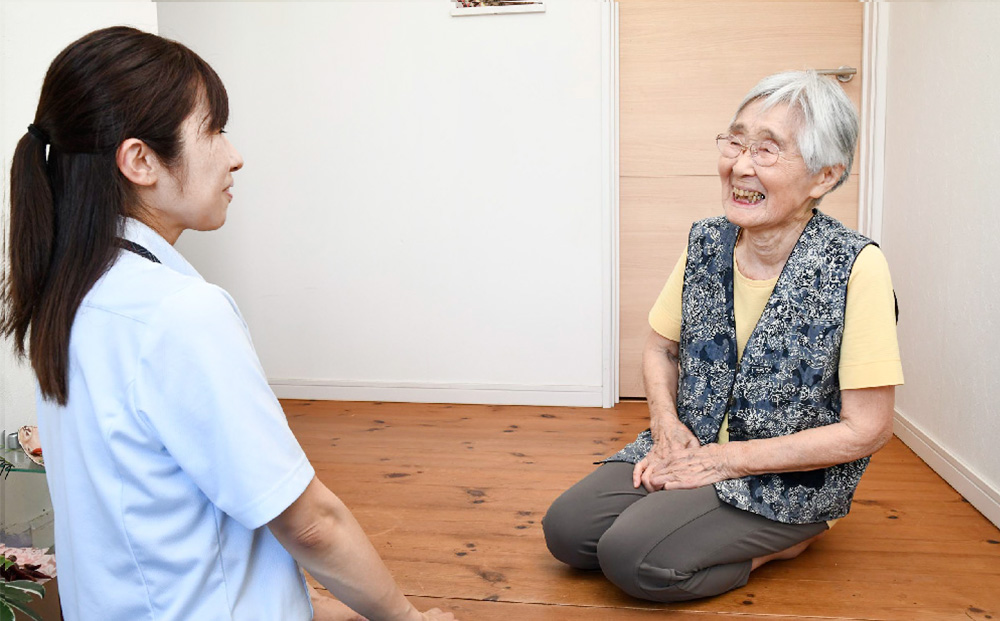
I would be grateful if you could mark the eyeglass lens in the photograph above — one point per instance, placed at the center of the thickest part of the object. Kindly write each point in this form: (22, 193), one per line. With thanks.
(763, 153)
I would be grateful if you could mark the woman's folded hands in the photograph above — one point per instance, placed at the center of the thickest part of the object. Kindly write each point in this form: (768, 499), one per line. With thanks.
(677, 461)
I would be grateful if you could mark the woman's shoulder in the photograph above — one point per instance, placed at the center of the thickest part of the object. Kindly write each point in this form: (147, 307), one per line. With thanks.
(141, 290)
(834, 230)
(870, 264)
(197, 304)
(191, 320)
(872, 255)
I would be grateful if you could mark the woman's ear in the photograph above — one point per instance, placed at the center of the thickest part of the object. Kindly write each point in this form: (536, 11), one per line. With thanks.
(137, 162)
(826, 179)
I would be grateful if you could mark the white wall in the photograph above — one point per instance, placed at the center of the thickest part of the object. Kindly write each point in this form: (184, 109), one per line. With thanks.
(31, 34)
(941, 234)
(420, 214)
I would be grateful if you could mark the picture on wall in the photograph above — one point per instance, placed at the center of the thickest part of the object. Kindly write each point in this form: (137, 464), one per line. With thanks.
(478, 3)
(496, 7)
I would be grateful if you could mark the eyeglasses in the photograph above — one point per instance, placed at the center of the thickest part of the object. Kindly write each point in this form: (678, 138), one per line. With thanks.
(763, 153)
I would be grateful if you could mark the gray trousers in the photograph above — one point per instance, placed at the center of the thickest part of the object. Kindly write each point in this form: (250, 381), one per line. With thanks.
(668, 546)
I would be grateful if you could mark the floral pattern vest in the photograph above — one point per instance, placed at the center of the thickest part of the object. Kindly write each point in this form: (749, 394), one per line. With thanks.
(787, 380)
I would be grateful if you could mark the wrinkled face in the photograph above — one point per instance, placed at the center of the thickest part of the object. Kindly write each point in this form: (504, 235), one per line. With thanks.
(196, 195)
(761, 198)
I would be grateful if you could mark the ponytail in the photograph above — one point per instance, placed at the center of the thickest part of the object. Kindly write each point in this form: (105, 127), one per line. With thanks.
(60, 244)
(29, 242)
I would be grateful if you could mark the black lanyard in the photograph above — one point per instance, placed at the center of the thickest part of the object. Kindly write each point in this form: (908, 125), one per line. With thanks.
(137, 249)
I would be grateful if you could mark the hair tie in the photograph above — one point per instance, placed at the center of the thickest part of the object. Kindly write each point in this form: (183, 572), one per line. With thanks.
(39, 134)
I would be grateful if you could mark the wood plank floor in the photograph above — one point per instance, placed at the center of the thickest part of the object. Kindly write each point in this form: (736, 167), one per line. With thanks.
(452, 496)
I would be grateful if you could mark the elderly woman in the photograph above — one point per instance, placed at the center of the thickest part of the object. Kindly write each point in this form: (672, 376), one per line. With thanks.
(770, 370)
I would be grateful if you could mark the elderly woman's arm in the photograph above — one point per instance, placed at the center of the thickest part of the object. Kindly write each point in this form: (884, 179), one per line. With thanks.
(865, 426)
(670, 435)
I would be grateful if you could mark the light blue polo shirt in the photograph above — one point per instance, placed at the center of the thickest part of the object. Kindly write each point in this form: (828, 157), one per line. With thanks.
(171, 456)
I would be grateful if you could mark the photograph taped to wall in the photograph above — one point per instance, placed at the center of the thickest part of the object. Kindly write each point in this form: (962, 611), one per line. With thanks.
(495, 7)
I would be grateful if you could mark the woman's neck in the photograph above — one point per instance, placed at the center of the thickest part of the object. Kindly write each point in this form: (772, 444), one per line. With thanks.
(761, 255)
(150, 218)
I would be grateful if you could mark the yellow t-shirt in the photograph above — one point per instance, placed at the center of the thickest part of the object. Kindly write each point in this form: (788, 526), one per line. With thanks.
(869, 351)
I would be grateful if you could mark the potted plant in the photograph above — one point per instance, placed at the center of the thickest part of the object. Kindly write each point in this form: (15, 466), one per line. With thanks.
(24, 570)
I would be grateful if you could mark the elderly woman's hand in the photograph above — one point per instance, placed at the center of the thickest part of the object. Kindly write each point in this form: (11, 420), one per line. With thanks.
(686, 468)
(669, 434)
(669, 438)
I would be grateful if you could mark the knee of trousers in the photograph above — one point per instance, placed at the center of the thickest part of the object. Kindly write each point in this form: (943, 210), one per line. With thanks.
(569, 535)
(624, 560)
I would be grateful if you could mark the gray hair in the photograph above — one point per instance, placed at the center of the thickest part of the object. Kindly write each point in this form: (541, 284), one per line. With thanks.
(829, 131)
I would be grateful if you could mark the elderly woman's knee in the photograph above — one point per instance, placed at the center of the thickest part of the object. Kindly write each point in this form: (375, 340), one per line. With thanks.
(623, 555)
(569, 534)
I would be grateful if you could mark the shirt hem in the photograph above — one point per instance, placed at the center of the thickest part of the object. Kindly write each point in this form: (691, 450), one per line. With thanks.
(282, 494)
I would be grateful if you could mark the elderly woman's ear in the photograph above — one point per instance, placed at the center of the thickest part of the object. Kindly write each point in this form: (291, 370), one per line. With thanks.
(826, 180)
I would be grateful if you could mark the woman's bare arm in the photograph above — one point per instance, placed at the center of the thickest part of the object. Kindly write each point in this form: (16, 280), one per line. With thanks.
(320, 532)
(660, 370)
(659, 376)
(865, 426)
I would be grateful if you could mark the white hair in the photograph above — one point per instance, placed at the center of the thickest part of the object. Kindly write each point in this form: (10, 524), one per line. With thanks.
(829, 131)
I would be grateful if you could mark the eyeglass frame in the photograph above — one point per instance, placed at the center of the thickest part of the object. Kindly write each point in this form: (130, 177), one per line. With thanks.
(751, 147)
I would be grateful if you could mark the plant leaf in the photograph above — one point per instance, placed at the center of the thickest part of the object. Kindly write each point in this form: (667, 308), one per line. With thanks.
(12, 597)
(27, 586)
(31, 614)
(17, 595)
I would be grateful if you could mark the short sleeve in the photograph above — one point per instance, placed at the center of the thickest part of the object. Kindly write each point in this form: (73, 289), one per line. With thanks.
(869, 354)
(201, 388)
(665, 316)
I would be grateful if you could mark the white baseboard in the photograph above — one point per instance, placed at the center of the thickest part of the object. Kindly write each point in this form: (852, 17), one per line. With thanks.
(966, 482)
(489, 394)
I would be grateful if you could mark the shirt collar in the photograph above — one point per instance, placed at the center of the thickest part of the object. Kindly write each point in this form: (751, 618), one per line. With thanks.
(149, 239)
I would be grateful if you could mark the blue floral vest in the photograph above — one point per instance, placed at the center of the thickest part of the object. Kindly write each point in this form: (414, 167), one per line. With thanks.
(787, 380)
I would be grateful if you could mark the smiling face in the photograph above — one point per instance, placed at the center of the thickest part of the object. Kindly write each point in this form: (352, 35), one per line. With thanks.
(197, 193)
(769, 198)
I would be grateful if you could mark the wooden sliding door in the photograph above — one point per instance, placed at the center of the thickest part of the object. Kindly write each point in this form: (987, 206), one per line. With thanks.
(684, 67)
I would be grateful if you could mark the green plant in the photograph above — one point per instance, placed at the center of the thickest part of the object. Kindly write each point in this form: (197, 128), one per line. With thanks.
(17, 594)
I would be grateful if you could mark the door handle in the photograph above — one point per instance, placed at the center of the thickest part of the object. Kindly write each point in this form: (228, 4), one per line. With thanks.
(843, 73)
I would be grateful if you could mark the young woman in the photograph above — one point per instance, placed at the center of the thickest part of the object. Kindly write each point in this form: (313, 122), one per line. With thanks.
(178, 489)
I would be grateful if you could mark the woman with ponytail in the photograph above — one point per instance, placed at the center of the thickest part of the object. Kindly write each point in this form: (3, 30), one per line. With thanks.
(153, 410)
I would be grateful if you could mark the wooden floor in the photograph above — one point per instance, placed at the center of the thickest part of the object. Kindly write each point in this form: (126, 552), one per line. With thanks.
(452, 496)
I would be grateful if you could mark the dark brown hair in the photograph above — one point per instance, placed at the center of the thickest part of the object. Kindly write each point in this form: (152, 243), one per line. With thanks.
(68, 199)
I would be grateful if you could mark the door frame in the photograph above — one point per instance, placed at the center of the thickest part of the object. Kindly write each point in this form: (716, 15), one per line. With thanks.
(609, 204)
(873, 102)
